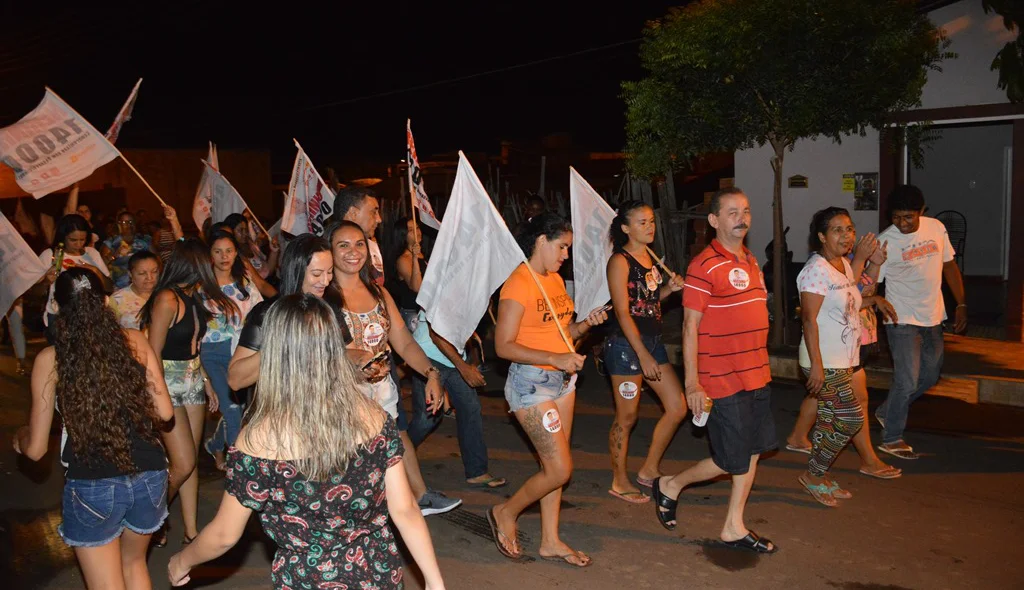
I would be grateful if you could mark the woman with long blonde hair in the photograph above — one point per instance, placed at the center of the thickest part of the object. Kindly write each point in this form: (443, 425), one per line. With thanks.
(320, 462)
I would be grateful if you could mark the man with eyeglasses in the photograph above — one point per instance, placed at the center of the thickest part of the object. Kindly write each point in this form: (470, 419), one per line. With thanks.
(119, 249)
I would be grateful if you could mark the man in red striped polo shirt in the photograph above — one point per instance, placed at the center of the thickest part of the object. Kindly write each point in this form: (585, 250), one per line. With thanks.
(725, 359)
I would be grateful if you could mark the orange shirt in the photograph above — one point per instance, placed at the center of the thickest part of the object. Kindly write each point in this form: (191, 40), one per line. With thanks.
(537, 330)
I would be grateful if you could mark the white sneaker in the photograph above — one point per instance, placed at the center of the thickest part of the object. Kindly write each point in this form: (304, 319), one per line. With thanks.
(434, 502)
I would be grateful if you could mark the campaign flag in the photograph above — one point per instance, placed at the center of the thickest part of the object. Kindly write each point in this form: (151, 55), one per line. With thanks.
(225, 200)
(309, 202)
(20, 268)
(473, 255)
(53, 147)
(426, 212)
(124, 115)
(203, 201)
(591, 249)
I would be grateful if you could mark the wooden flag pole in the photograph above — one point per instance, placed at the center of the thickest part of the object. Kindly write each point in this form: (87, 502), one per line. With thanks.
(661, 263)
(558, 324)
(137, 173)
(257, 220)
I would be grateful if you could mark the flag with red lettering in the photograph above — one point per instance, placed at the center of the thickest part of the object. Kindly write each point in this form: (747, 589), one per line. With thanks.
(202, 204)
(124, 115)
(591, 249)
(310, 202)
(473, 255)
(225, 200)
(426, 212)
(53, 147)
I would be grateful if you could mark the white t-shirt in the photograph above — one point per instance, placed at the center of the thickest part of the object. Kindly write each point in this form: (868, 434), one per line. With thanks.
(89, 256)
(376, 259)
(839, 317)
(913, 272)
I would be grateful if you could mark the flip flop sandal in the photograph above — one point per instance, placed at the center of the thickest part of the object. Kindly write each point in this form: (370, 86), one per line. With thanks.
(796, 449)
(500, 536)
(631, 497)
(838, 492)
(489, 484)
(752, 542)
(644, 482)
(900, 452)
(820, 492)
(584, 559)
(887, 473)
(662, 501)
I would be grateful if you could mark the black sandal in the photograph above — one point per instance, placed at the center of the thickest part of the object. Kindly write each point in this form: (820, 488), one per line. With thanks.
(662, 501)
(186, 541)
(159, 538)
(754, 543)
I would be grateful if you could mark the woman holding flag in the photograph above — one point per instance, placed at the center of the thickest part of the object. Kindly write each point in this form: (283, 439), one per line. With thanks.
(541, 385)
(634, 351)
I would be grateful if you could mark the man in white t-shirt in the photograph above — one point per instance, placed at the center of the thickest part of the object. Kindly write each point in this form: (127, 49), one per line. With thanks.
(920, 256)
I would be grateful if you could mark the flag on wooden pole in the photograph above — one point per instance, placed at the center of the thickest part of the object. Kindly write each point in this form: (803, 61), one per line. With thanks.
(53, 147)
(309, 202)
(124, 115)
(20, 268)
(591, 248)
(419, 195)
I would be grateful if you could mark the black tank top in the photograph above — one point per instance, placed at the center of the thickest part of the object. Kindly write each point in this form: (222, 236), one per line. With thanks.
(405, 297)
(182, 335)
(642, 286)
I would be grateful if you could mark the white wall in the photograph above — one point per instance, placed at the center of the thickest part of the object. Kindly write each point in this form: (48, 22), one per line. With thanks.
(967, 80)
(963, 171)
(823, 163)
(976, 39)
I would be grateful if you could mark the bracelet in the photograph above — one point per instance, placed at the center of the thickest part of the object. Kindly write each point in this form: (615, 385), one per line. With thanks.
(961, 305)
(433, 371)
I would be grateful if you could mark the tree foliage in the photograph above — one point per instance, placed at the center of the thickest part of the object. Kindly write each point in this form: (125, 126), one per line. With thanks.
(724, 75)
(1010, 59)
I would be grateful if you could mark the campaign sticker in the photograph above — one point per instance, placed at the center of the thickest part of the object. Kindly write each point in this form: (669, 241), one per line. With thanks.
(551, 421)
(739, 278)
(373, 334)
(628, 389)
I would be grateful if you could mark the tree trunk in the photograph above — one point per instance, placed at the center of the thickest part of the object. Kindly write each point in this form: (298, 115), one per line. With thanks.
(778, 252)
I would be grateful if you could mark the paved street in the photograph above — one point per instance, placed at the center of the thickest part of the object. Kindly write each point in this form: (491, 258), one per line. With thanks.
(952, 521)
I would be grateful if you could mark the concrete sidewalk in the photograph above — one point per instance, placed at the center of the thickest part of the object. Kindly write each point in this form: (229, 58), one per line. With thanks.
(949, 522)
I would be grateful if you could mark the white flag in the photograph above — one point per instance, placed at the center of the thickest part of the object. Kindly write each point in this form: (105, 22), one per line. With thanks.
(473, 255)
(225, 200)
(202, 204)
(309, 202)
(591, 249)
(426, 212)
(53, 147)
(124, 115)
(20, 268)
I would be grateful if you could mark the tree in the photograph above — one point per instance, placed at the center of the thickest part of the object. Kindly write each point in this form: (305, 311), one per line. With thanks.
(1010, 59)
(725, 75)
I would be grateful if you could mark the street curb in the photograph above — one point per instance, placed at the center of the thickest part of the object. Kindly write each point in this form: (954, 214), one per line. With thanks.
(968, 388)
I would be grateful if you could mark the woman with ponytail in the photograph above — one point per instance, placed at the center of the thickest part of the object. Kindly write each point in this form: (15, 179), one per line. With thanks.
(634, 350)
(106, 383)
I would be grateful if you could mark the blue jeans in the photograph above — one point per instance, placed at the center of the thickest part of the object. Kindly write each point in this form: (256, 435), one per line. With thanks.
(469, 422)
(215, 357)
(916, 360)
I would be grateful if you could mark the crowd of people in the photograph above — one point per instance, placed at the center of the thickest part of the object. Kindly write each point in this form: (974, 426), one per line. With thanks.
(302, 351)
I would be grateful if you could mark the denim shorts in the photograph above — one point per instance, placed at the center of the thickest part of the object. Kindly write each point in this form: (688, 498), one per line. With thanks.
(95, 511)
(621, 359)
(527, 386)
(739, 427)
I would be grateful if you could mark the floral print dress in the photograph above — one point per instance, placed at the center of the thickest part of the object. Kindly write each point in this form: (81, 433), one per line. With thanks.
(332, 534)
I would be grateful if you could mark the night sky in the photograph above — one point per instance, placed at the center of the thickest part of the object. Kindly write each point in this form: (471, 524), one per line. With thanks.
(342, 80)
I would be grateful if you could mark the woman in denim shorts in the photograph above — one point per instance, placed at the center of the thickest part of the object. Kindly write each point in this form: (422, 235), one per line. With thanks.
(176, 323)
(116, 479)
(541, 384)
(634, 351)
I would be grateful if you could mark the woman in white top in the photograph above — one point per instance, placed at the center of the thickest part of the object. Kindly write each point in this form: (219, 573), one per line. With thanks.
(830, 346)
(144, 269)
(69, 245)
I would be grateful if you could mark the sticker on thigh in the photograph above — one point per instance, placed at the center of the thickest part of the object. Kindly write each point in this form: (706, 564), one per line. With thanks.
(628, 390)
(551, 421)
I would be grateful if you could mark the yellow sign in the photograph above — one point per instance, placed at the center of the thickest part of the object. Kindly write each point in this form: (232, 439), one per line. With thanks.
(849, 183)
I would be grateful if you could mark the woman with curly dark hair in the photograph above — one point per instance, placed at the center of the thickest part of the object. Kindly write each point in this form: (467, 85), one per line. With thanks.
(105, 382)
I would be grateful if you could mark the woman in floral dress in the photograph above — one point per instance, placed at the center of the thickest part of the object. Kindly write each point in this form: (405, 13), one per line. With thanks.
(320, 462)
